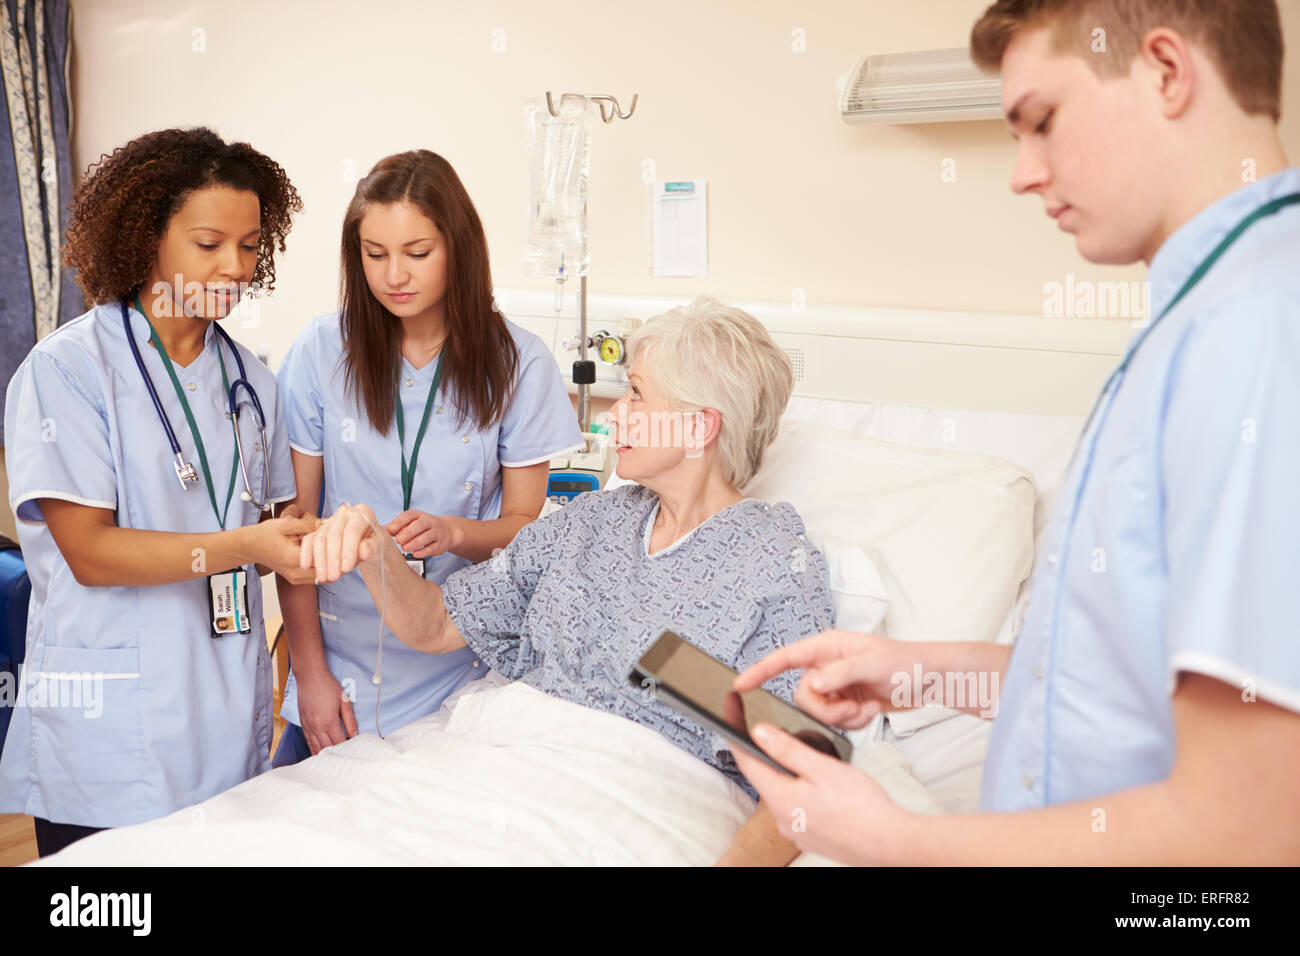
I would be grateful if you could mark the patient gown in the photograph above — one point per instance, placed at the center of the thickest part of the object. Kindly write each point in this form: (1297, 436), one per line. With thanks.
(576, 599)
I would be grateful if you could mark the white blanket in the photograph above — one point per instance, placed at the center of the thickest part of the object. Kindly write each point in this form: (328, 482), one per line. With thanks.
(503, 774)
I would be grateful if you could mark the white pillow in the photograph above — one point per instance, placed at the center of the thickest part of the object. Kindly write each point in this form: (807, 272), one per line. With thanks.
(857, 590)
(1041, 444)
(950, 533)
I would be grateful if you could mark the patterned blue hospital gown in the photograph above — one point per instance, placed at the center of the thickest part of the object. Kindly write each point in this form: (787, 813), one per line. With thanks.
(576, 599)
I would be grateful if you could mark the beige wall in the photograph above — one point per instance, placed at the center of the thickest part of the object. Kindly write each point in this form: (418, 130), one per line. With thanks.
(798, 199)
(851, 215)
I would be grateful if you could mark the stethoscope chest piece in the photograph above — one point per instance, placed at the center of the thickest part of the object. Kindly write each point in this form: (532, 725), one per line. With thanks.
(185, 472)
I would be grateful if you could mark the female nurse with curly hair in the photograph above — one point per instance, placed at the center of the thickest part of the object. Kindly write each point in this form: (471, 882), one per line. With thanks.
(147, 683)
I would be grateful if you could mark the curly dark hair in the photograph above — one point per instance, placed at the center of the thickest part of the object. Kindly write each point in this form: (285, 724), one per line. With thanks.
(121, 208)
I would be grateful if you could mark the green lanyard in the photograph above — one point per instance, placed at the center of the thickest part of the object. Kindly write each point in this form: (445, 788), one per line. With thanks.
(408, 471)
(1268, 209)
(189, 417)
(1265, 210)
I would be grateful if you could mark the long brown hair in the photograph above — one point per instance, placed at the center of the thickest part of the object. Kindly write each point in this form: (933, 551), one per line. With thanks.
(480, 356)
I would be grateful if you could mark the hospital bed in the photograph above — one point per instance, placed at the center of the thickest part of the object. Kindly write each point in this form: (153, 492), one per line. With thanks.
(923, 450)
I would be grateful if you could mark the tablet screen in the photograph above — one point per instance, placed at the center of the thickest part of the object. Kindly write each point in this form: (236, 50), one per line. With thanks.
(706, 683)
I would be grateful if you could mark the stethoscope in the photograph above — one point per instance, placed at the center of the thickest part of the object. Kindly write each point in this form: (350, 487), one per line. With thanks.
(185, 471)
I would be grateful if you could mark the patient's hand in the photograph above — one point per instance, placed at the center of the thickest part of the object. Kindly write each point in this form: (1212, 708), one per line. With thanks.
(758, 842)
(828, 807)
(343, 541)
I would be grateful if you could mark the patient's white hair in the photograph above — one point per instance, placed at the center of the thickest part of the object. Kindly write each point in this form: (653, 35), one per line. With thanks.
(710, 355)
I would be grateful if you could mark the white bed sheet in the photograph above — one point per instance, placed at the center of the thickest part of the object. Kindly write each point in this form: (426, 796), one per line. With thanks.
(504, 774)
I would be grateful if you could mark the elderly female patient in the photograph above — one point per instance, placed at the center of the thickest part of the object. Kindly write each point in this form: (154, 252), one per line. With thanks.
(579, 595)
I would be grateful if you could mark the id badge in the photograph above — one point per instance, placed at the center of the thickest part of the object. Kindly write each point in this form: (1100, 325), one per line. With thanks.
(414, 563)
(228, 602)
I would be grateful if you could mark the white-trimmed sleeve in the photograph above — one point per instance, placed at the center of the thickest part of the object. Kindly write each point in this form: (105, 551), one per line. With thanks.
(1231, 462)
(56, 439)
(300, 391)
(540, 423)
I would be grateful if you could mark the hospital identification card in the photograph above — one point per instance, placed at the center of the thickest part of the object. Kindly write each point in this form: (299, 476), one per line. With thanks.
(228, 602)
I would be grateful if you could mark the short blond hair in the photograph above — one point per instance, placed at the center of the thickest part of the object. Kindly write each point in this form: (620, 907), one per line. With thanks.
(1242, 37)
(710, 355)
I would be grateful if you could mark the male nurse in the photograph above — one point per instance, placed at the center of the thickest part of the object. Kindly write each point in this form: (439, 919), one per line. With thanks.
(1150, 713)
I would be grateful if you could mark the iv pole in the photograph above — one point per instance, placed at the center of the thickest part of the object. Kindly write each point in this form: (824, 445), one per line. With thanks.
(584, 370)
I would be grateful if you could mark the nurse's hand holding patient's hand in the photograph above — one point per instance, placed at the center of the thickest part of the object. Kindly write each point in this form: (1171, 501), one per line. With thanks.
(277, 544)
(425, 535)
(343, 541)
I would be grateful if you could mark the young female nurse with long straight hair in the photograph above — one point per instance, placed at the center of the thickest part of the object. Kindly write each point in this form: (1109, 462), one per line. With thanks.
(421, 398)
(147, 685)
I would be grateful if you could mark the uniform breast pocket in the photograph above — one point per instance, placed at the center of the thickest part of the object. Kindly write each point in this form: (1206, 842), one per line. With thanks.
(327, 602)
(86, 717)
(472, 474)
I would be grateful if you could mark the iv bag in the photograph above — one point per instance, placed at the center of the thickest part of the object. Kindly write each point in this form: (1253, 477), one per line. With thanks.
(561, 158)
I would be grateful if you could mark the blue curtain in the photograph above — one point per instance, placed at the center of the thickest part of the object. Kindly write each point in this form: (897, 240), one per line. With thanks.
(37, 293)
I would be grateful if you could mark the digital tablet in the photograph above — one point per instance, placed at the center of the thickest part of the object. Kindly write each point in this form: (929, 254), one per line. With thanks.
(701, 687)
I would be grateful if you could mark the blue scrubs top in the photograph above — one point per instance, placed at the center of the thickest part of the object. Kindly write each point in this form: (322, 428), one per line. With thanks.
(458, 473)
(1176, 546)
(128, 708)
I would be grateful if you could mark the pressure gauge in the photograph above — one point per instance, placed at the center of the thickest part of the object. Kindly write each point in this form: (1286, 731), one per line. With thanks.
(611, 350)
